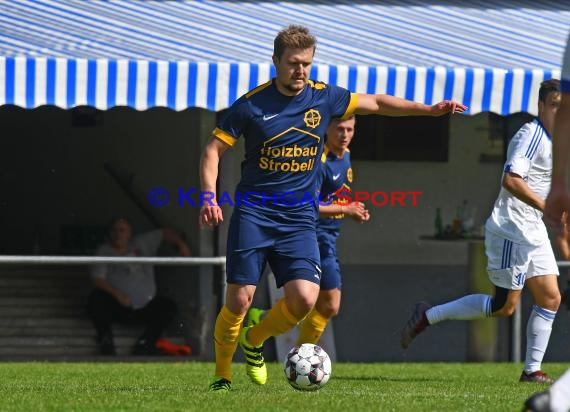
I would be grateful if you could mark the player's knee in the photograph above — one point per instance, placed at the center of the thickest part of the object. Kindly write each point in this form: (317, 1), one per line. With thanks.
(327, 308)
(333, 311)
(550, 301)
(239, 304)
(302, 305)
(328, 311)
(306, 304)
(243, 305)
(555, 299)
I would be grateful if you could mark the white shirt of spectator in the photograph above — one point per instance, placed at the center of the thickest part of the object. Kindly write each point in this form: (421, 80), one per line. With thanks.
(135, 280)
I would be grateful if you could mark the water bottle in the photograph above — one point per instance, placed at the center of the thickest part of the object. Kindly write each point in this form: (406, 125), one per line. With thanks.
(438, 223)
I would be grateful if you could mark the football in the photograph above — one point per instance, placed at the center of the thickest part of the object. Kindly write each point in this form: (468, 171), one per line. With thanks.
(307, 367)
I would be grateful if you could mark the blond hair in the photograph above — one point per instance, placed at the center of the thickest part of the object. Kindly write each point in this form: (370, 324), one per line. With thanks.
(294, 37)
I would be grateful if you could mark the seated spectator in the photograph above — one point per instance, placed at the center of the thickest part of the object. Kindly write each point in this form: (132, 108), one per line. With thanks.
(126, 293)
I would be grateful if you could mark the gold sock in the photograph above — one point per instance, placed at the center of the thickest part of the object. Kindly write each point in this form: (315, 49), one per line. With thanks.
(312, 328)
(226, 334)
(277, 321)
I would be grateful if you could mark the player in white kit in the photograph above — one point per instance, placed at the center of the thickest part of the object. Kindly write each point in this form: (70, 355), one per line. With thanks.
(518, 249)
(557, 398)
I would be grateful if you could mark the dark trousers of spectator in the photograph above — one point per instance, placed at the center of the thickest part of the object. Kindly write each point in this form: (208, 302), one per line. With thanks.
(103, 309)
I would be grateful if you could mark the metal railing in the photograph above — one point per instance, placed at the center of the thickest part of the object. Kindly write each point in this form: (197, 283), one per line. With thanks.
(95, 260)
(92, 260)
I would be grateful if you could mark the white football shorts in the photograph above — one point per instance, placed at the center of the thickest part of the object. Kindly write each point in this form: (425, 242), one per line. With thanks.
(509, 264)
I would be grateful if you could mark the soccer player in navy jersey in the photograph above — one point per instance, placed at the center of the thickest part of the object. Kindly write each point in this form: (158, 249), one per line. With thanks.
(283, 123)
(557, 397)
(335, 185)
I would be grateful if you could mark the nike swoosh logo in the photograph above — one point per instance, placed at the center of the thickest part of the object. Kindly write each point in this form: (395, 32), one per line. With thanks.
(266, 117)
(335, 177)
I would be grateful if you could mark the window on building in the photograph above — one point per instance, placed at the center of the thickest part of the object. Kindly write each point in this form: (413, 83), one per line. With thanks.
(409, 138)
(501, 131)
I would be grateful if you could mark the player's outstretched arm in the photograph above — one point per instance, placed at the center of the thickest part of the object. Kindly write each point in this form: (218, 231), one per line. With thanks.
(211, 214)
(396, 106)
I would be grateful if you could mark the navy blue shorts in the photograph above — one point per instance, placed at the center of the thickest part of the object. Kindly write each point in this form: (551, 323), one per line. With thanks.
(331, 278)
(291, 254)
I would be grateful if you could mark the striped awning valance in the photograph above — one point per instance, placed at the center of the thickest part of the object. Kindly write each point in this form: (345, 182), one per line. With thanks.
(145, 54)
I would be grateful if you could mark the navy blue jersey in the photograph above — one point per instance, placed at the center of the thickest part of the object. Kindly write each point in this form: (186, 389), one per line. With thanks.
(284, 139)
(335, 175)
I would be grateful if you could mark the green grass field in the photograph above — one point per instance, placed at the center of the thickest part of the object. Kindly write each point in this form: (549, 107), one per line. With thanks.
(182, 387)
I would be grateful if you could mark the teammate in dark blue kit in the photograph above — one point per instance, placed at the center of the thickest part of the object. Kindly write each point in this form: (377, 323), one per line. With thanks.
(335, 179)
(283, 123)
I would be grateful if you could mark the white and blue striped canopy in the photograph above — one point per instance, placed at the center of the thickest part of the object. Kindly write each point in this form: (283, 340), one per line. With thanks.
(491, 56)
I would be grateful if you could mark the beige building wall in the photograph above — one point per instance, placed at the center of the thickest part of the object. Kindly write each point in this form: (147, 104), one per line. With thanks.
(393, 234)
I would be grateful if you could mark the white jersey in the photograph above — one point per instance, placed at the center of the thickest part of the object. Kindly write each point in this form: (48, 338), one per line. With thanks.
(530, 156)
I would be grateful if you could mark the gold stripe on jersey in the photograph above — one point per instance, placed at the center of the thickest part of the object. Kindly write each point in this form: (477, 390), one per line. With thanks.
(224, 136)
(257, 89)
(287, 131)
(316, 85)
(351, 107)
(326, 151)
